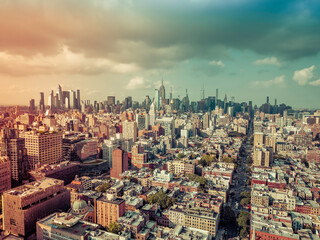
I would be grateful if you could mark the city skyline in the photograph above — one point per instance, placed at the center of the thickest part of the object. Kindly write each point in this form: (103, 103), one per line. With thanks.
(248, 50)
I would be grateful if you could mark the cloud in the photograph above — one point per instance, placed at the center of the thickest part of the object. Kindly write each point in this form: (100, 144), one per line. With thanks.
(315, 83)
(158, 34)
(138, 83)
(267, 61)
(304, 75)
(65, 62)
(277, 81)
(216, 63)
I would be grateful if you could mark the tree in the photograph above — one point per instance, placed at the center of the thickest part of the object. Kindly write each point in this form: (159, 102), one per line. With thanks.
(207, 160)
(103, 187)
(228, 160)
(114, 227)
(195, 178)
(192, 156)
(161, 199)
(245, 194)
(244, 232)
(181, 155)
(243, 218)
(244, 201)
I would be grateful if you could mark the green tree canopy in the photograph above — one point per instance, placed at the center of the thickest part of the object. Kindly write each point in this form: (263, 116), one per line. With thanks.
(103, 187)
(244, 201)
(162, 199)
(245, 194)
(114, 227)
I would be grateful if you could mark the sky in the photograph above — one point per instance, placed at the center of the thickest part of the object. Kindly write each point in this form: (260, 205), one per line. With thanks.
(249, 49)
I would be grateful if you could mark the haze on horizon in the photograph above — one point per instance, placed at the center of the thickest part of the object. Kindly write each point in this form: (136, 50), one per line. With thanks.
(248, 49)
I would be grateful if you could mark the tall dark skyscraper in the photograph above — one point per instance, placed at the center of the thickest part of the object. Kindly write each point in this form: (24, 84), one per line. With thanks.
(162, 91)
(32, 106)
(216, 96)
(268, 100)
(78, 99)
(41, 102)
(111, 100)
(14, 147)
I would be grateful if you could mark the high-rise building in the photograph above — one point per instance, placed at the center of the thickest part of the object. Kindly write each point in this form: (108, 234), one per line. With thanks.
(129, 130)
(14, 147)
(157, 99)
(43, 148)
(41, 102)
(138, 156)
(78, 99)
(119, 163)
(267, 99)
(111, 100)
(216, 96)
(262, 157)
(152, 114)
(206, 121)
(51, 100)
(23, 206)
(162, 91)
(258, 139)
(142, 121)
(32, 106)
(168, 125)
(5, 174)
(109, 209)
(73, 99)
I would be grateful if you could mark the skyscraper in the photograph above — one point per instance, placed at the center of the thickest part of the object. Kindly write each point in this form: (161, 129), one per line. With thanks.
(14, 147)
(156, 99)
(111, 100)
(216, 96)
(162, 91)
(119, 163)
(32, 106)
(129, 130)
(41, 102)
(78, 100)
(43, 148)
(267, 99)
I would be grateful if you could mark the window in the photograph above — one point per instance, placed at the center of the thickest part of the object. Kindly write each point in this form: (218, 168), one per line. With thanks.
(13, 222)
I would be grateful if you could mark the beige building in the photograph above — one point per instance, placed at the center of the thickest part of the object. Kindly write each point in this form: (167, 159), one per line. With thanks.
(181, 167)
(5, 174)
(130, 130)
(259, 198)
(43, 148)
(262, 157)
(258, 139)
(176, 216)
(23, 206)
(108, 209)
(202, 218)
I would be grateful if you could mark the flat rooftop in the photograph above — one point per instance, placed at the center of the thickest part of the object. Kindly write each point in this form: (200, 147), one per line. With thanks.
(66, 222)
(35, 187)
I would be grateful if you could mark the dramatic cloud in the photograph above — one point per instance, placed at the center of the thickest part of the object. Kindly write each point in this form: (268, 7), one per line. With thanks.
(65, 62)
(315, 83)
(267, 61)
(304, 75)
(278, 81)
(216, 63)
(159, 34)
(138, 83)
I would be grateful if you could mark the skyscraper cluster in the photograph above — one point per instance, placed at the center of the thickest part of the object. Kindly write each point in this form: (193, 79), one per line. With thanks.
(60, 99)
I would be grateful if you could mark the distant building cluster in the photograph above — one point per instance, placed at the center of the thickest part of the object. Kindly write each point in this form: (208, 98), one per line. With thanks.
(161, 169)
